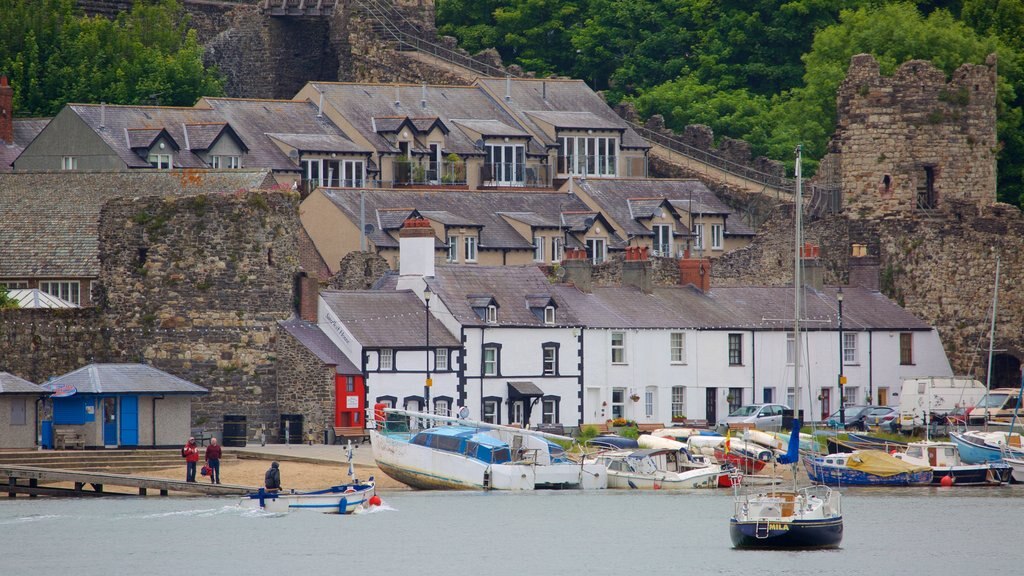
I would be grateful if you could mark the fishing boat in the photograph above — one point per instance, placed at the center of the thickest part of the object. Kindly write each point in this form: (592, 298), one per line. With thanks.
(654, 469)
(460, 454)
(865, 468)
(343, 499)
(944, 460)
(796, 518)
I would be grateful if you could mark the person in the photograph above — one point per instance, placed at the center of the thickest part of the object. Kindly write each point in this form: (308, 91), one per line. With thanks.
(213, 452)
(272, 480)
(191, 453)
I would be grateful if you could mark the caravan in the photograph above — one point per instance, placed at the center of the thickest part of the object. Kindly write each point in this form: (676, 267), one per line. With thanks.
(941, 395)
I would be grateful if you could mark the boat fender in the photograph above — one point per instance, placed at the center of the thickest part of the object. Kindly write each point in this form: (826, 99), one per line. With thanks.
(946, 482)
(375, 500)
(342, 505)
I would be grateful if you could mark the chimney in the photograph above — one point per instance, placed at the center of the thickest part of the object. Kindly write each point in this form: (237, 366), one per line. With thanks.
(6, 111)
(544, 90)
(416, 248)
(578, 268)
(636, 270)
(398, 100)
(423, 95)
(695, 271)
(320, 107)
(864, 269)
(508, 88)
(814, 272)
(308, 290)
(103, 115)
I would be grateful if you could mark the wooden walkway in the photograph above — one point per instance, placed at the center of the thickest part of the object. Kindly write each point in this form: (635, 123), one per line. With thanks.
(35, 482)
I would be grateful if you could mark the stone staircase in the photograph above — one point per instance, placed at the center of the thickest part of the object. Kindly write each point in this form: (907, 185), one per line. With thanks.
(115, 461)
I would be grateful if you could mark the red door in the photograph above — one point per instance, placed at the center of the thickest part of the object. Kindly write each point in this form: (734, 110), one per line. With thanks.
(350, 400)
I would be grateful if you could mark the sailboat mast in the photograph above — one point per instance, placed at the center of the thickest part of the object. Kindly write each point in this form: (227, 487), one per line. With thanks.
(991, 341)
(797, 279)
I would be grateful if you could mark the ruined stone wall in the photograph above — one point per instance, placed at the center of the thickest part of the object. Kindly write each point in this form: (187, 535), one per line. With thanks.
(304, 385)
(891, 131)
(359, 271)
(38, 344)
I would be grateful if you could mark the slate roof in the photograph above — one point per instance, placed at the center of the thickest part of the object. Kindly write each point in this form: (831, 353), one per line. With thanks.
(124, 379)
(491, 128)
(316, 341)
(562, 95)
(572, 120)
(25, 130)
(513, 289)
(50, 220)
(11, 384)
(364, 105)
(319, 143)
(387, 209)
(387, 318)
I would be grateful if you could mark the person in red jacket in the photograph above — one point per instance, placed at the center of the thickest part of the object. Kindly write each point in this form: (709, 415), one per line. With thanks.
(213, 453)
(191, 453)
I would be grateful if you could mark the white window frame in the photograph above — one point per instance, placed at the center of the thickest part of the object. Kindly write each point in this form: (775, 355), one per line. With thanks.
(790, 397)
(548, 410)
(225, 162)
(598, 256)
(353, 173)
(14, 284)
(69, 290)
(619, 347)
(550, 360)
(549, 314)
(518, 413)
(508, 164)
(538, 248)
(698, 236)
(618, 403)
(442, 408)
(851, 395)
(69, 163)
(849, 348)
(716, 236)
(470, 248)
(590, 155)
(678, 401)
(490, 365)
(557, 249)
(649, 403)
(440, 359)
(790, 348)
(492, 314)
(387, 359)
(491, 410)
(453, 248)
(160, 161)
(677, 347)
(663, 239)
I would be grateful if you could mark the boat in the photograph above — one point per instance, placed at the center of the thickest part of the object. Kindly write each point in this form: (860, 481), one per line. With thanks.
(977, 447)
(460, 454)
(854, 442)
(613, 441)
(654, 469)
(747, 457)
(342, 499)
(866, 468)
(944, 460)
(788, 518)
(686, 459)
(1017, 466)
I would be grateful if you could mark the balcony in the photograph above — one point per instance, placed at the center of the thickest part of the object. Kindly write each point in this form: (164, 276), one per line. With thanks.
(597, 166)
(444, 173)
(506, 174)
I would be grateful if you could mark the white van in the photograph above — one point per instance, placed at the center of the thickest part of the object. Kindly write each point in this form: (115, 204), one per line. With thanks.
(920, 397)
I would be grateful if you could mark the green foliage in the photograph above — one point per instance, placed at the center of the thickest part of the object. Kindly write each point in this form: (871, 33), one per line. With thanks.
(54, 55)
(587, 433)
(6, 302)
(629, 432)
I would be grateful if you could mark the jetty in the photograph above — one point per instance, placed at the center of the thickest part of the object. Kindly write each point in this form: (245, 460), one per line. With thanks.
(36, 481)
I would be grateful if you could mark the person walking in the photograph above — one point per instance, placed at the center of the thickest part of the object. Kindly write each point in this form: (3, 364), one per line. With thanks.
(191, 453)
(213, 453)
(272, 479)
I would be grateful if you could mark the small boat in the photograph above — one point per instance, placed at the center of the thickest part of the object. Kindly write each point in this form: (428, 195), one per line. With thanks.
(865, 468)
(944, 460)
(460, 454)
(612, 441)
(343, 499)
(1017, 465)
(654, 469)
(854, 442)
(978, 447)
(686, 459)
(747, 457)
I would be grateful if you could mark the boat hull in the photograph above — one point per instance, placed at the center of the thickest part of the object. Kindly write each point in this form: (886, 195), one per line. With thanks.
(844, 476)
(742, 462)
(992, 474)
(786, 535)
(337, 499)
(709, 479)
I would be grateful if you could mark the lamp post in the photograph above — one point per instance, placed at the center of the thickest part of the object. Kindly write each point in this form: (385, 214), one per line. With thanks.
(428, 383)
(842, 378)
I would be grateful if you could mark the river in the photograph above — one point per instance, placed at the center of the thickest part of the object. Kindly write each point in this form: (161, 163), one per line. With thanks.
(887, 531)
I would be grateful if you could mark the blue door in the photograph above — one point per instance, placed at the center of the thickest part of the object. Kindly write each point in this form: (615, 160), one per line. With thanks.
(129, 421)
(110, 421)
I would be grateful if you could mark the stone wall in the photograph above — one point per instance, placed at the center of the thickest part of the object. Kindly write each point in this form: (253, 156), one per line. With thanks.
(359, 271)
(304, 385)
(40, 344)
(897, 136)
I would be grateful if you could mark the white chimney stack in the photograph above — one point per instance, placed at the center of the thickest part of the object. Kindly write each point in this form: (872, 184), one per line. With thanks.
(416, 248)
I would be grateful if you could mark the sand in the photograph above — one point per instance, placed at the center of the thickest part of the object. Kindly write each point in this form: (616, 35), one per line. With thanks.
(297, 475)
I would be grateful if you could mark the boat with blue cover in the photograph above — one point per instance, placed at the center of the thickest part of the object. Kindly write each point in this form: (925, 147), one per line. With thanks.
(865, 468)
(463, 454)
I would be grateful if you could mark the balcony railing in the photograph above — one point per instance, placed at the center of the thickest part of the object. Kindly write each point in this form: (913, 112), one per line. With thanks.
(411, 173)
(515, 174)
(591, 165)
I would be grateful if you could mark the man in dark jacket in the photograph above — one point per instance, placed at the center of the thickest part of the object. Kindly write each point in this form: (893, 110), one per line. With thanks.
(272, 480)
(213, 453)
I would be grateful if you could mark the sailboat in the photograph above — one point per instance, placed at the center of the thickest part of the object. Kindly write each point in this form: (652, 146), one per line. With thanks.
(789, 518)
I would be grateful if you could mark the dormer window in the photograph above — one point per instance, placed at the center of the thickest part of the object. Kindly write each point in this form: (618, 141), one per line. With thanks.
(543, 307)
(159, 160)
(485, 307)
(226, 162)
(549, 314)
(492, 314)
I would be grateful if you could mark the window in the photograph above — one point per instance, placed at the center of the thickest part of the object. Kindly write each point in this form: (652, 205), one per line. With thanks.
(790, 397)
(735, 349)
(649, 403)
(492, 314)
(353, 173)
(490, 361)
(662, 240)
(716, 236)
(677, 345)
(549, 314)
(851, 395)
(350, 384)
(490, 414)
(69, 163)
(12, 285)
(906, 348)
(588, 156)
(598, 249)
(64, 290)
(160, 161)
(698, 236)
(550, 359)
(470, 248)
(517, 413)
(19, 411)
(678, 402)
(768, 395)
(453, 248)
(387, 359)
(618, 402)
(735, 398)
(849, 347)
(549, 411)
(557, 249)
(226, 162)
(506, 164)
(618, 347)
(790, 348)
(441, 359)
(538, 248)
(442, 408)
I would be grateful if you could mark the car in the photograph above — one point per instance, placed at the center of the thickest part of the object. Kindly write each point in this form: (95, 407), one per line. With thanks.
(885, 417)
(761, 416)
(854, 417)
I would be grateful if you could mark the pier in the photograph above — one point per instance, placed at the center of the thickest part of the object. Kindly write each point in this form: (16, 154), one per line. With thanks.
(36, 481)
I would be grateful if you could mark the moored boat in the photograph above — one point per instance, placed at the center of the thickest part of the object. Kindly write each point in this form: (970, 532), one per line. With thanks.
(865, 468)
(654, 469)
(978, 447)
(944, 460)
(342, 499)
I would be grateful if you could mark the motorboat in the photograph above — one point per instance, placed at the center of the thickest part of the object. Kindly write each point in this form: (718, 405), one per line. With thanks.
(977, 446)
(747, 457)
(460, 454)
(944, 460)
(342, 499)
(865, 468)
(654, 469)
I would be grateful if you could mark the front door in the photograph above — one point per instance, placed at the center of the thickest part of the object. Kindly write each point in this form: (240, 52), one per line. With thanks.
(711, 405)
(129, 421)
(826, 401)
(883, 396)
(110, 422)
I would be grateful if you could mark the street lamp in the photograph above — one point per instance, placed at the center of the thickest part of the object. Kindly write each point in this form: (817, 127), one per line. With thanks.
(426, 386)
(842, 379)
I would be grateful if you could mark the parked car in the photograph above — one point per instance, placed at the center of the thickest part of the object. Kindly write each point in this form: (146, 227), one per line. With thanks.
(885, 417)
(854, 417)
(762, 416)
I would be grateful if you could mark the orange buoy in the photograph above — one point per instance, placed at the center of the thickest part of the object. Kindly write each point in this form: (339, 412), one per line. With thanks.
(375, 500)
(946, 482)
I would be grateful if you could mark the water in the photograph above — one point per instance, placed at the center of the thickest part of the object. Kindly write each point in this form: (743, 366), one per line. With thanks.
(919, 530)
